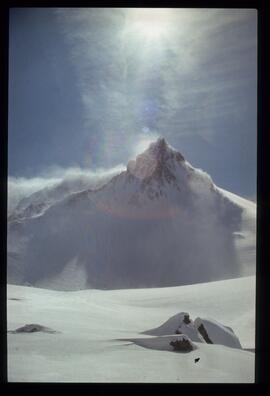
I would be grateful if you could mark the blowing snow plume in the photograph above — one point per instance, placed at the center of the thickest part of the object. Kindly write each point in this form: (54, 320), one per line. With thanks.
(160, 222)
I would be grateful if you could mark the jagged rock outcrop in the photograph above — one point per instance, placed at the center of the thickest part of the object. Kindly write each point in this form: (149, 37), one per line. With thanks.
(182, 344)
(200, 330)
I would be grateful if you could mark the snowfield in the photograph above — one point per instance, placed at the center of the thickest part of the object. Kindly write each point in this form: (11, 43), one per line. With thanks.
(99, 334)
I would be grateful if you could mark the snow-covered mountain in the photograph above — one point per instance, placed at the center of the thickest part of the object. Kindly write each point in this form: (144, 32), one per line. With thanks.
(160, 222)
(36, 203)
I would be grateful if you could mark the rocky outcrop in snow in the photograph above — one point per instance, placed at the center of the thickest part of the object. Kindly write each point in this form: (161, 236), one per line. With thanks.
(200, 330)
(217, 333)
(33, 328)
(182, 344)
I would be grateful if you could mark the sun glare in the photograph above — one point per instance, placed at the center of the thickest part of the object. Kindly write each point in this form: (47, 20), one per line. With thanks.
(150, 23)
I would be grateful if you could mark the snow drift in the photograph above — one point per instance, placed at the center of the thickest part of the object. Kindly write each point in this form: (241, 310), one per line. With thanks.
(160, 222)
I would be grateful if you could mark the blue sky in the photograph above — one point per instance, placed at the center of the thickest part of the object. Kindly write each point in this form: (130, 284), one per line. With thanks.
(90, 88)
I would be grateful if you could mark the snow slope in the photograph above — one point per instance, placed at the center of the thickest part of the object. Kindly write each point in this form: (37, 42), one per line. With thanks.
(159, 223)
(245, 240)
(73, 180)
(100, 334)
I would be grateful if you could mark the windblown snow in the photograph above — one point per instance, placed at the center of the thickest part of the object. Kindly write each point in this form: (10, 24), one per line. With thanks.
(159, 223)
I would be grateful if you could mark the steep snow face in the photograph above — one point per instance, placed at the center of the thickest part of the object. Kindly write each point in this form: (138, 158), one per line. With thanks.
(159, 223)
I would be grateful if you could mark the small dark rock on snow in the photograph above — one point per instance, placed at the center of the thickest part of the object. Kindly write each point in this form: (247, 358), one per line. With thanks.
(32, 328)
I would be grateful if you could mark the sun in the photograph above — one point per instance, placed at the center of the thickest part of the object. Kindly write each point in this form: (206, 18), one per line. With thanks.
(150, 27)
(149, 23)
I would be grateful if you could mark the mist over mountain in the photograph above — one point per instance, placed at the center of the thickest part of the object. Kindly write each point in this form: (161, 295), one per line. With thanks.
(160, 222)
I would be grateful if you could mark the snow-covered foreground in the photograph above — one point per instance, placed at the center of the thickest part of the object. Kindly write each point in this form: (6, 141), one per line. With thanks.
(95, 328)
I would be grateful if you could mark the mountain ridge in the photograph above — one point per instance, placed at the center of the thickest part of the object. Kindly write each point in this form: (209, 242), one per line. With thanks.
(160, 222)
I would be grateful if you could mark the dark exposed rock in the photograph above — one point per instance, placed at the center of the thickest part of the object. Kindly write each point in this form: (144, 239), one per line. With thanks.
(204, 333)
(32, 328)
(186, 319)
(183, 345)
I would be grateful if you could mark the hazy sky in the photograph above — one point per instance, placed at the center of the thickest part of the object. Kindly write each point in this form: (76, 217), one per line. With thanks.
(90, 88)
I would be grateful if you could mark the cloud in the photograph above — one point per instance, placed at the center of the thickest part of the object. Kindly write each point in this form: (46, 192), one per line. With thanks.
(21, 187)
(73, 178)
(188, 82)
